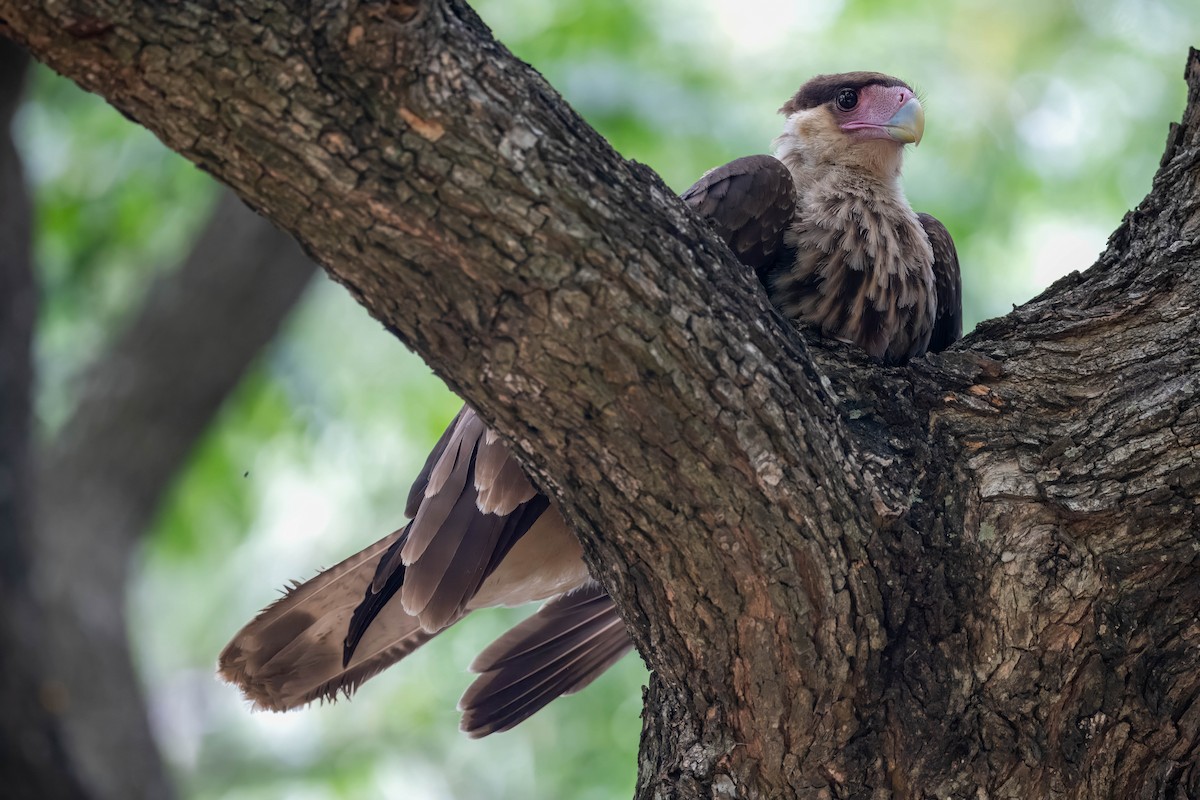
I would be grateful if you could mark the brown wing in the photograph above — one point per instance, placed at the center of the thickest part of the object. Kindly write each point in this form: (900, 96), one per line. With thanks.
(750, 203)
(333, 632)
(562, 648)
(947, 325)
(472, 503)
(416, 492)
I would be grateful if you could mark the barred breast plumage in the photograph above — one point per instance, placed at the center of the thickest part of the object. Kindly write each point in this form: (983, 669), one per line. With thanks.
(863, 268)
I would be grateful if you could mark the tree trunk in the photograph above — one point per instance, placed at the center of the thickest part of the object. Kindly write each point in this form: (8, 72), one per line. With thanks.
(69, 530)
(972, 576)
(32, 756)
(73, 714)
(143, 405)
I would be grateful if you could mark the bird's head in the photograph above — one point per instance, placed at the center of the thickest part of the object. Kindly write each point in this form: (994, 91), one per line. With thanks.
(856, 119)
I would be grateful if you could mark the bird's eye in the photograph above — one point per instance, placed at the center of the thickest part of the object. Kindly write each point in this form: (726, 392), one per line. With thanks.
(847, 99)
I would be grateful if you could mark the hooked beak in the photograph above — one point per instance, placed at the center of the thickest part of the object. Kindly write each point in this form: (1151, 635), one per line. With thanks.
(908, 123)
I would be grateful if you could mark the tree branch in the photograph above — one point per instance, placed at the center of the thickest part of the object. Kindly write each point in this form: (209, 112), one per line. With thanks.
(146, 400)
(32, 762)
(572, 290)
(817, 555)
(143, 404)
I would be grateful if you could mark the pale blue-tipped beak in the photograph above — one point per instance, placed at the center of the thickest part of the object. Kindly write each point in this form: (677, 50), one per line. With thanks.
(908, 123)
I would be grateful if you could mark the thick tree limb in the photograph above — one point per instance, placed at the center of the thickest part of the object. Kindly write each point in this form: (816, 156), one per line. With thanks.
(149, 396)
(850, 581)
(532, 347)
(143, 405)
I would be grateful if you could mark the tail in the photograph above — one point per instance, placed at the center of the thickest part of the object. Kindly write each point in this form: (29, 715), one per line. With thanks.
(291, 653)
(559, 650)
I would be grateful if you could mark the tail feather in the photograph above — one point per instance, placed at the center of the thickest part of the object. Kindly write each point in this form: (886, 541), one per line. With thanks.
(472, 509)
(370, 606)
(562, 648)
(522, 699)
(291, 653)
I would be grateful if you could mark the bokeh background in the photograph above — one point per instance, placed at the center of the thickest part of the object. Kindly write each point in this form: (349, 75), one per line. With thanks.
(1045, 121)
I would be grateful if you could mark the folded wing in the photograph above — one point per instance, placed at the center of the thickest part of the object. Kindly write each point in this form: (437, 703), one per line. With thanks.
(480, 536)
(947, 280)
(562, 648)
(749, 202)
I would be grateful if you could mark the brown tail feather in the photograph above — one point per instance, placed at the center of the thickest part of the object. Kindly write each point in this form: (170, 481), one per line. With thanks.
(562, 648)
(291, 653)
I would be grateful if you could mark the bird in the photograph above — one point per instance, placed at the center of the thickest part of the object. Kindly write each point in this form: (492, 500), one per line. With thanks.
(825, 226)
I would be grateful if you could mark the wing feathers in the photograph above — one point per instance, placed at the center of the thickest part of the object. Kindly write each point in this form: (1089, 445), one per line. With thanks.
(416, 492)
(446, 483)
(562, 648)
(450, 570)
(947, 280)
(499, 479)
(749, 202)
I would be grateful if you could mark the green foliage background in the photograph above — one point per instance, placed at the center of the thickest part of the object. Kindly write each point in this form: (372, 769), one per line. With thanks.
(1045, 121)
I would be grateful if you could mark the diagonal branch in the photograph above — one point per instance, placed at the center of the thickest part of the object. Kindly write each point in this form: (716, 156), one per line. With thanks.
(32, 762)
(146, 400)
(143, 404)
(561, 289)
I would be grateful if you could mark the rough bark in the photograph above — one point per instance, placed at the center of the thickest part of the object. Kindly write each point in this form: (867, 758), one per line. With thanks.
(143, 404)
(32, 762)
(973, 576)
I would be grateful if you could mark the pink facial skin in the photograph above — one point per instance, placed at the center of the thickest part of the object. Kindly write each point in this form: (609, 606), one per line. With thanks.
(884, 112)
